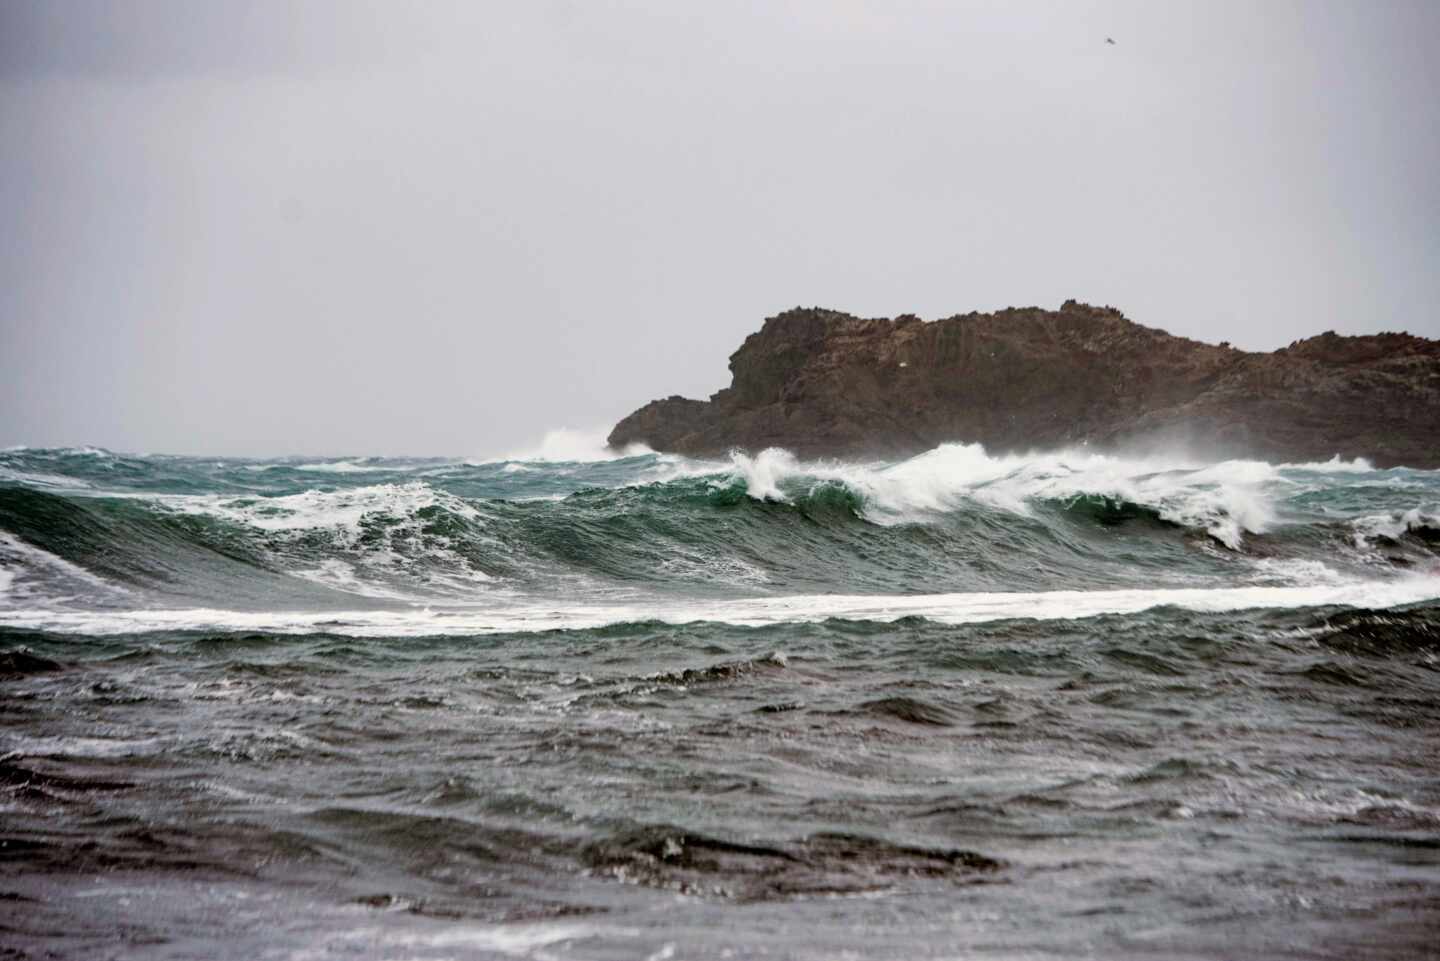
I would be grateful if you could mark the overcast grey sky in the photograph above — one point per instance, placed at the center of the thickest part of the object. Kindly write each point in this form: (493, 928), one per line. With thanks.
(442, 228)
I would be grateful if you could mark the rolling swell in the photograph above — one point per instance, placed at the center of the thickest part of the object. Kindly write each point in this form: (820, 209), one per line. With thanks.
(241, 534)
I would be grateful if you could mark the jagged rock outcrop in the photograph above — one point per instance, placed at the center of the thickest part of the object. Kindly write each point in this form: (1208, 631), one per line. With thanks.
(823, 383)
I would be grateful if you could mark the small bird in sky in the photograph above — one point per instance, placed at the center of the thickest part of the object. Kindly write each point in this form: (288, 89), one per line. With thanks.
(1110, 41)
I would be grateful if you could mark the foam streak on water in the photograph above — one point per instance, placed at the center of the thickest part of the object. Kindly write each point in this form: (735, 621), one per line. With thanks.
(754, 612)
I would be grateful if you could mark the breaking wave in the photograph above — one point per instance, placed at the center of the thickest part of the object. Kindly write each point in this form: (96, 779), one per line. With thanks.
(1226, 500)
(86, 530)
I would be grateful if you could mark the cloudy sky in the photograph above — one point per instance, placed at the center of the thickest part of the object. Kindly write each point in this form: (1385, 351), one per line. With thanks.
(443, 228)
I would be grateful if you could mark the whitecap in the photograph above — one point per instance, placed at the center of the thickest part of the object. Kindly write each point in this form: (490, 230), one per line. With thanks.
(314, 509)
(1228, 499)
(1391, 526)
(1295, 571)
(342, 467)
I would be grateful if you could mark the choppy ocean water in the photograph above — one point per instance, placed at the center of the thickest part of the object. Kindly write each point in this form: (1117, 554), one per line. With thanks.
(1059, 705)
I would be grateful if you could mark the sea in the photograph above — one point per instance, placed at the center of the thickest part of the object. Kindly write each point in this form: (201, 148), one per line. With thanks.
(632, 705)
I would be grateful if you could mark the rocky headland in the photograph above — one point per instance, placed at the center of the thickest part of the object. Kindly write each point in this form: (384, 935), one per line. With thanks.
(822, 383)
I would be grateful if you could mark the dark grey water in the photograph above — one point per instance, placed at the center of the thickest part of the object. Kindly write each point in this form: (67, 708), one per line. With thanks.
(1174, 713)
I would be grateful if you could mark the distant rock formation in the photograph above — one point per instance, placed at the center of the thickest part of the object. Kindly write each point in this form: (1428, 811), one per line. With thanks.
(826, 384)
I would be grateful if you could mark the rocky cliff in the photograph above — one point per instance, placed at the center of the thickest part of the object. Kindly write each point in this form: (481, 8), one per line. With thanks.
(823, 383)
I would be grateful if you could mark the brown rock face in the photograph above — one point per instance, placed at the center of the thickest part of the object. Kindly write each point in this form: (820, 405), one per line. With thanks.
(826, 384)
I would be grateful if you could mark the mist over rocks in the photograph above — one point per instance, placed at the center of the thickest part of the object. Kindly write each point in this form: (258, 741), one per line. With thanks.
(823, 383)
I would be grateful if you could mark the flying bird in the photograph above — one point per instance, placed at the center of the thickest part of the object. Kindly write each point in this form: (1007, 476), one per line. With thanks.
(1110, 41)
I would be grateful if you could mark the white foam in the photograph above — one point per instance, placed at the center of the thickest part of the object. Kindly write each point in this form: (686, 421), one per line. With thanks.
(342, 467)
(764, 472)
(1392, 525)
(27, 571)
(342, 515)
(88, 747)
(458, 939)
(340, 575)
(43, 481)
(749, 612)
(1227, 499)
(1271, 570)
(314, 509)
(711, 568)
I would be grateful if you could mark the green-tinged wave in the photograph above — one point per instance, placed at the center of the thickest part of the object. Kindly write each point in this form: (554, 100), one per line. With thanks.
(87, 527)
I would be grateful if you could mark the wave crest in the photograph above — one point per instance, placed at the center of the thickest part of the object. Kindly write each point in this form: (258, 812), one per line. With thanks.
(957, 518)
(1226, 500)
